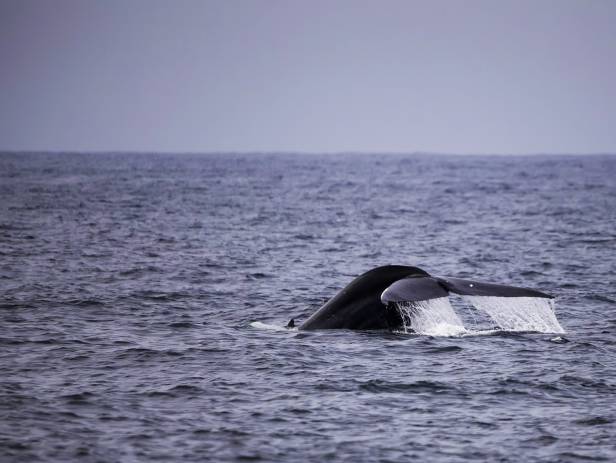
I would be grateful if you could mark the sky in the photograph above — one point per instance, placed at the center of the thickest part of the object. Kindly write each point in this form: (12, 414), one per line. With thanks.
(329, 76)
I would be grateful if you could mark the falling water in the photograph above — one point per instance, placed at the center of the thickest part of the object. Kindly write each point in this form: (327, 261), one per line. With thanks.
(519, 313)
(434, 317)
(437, 317)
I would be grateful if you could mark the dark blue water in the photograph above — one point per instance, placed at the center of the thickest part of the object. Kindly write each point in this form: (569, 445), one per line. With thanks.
(129, 284)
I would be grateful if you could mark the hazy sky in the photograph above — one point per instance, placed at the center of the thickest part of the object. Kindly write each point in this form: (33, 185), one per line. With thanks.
(319, 76)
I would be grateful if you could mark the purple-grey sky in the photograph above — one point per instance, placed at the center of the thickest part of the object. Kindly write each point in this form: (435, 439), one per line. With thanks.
(317, 76)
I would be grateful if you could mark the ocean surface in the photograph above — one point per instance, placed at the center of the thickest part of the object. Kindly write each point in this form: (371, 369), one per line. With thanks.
(143, 299)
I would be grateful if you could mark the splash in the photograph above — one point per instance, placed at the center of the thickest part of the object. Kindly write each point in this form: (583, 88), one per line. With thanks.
(437, 317)
(434, 317)
(519, 313)
(267, 326)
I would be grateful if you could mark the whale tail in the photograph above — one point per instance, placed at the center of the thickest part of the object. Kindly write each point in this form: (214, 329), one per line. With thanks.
(413, 289)
(359, 305)
(480, 288)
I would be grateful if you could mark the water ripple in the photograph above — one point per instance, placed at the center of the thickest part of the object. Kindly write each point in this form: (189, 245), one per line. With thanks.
(131, 285)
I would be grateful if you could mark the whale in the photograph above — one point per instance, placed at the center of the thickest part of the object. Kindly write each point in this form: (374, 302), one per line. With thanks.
(369, 301)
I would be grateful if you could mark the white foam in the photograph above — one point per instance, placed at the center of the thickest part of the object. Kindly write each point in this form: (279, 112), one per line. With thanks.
(433, 317)
(519, 313)
(266, 326)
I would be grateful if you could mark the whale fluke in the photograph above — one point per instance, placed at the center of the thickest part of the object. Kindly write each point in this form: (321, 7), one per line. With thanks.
(413, 289)
(367, 303)
(479, 288)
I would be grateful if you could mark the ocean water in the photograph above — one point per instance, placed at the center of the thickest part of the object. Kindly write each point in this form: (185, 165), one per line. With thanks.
(142, 300)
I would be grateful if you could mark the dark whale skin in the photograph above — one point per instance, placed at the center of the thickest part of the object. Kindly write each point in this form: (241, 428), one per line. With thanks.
(358, 306)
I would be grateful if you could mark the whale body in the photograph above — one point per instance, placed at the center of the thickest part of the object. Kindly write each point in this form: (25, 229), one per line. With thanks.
(369, 301)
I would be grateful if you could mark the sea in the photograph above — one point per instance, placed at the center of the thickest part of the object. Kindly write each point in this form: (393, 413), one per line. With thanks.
(144, 299)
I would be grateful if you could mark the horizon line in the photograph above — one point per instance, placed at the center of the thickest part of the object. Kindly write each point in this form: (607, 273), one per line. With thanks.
(294, 152)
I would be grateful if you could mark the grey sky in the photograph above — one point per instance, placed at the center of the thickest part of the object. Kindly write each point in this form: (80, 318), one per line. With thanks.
(319, 76)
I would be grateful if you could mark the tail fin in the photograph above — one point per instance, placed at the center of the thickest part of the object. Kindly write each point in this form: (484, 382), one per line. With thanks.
(478, 288)
(412, 289)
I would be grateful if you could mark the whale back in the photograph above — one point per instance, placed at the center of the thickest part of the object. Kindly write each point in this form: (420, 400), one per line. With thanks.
(358, 306)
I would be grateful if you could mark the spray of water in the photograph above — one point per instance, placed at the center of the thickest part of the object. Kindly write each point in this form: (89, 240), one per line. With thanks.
(434, 317)
(519, 313)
